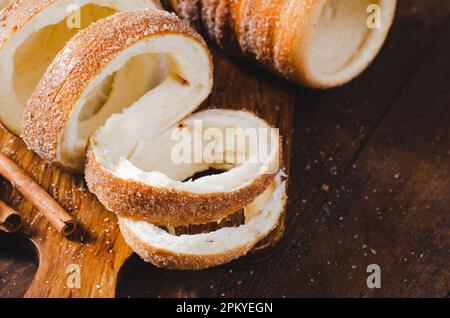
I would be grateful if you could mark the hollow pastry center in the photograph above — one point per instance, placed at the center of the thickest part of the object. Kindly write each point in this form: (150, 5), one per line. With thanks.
(236, 142)
(147, 88)
(340, 35)
(33, 57)
(114, 93)
(214, 139)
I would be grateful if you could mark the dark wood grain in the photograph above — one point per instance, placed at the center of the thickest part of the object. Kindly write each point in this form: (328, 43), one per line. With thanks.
(389, 202)
(369, 182)
(18, 265)
(16, 273)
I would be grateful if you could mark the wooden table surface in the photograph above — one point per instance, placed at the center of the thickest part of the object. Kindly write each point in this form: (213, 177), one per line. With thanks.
(369, 180)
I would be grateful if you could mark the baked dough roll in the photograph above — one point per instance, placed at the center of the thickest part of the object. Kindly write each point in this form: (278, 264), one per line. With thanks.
(32, 32)
(204, 250)
(138, 174)
(317, 43)
(147, 61)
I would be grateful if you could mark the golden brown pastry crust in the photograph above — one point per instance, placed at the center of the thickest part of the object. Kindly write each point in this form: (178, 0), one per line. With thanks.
(16, 14)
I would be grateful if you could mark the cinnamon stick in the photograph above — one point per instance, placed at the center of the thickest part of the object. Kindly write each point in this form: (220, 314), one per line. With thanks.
(10, 220)
(55, 214)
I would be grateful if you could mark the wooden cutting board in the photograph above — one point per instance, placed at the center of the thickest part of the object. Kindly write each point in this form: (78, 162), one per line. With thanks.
(98, 249)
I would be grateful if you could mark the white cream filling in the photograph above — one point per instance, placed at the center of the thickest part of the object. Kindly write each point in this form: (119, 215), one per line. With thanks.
(27, 53)
(265, 218)
(342, 44)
